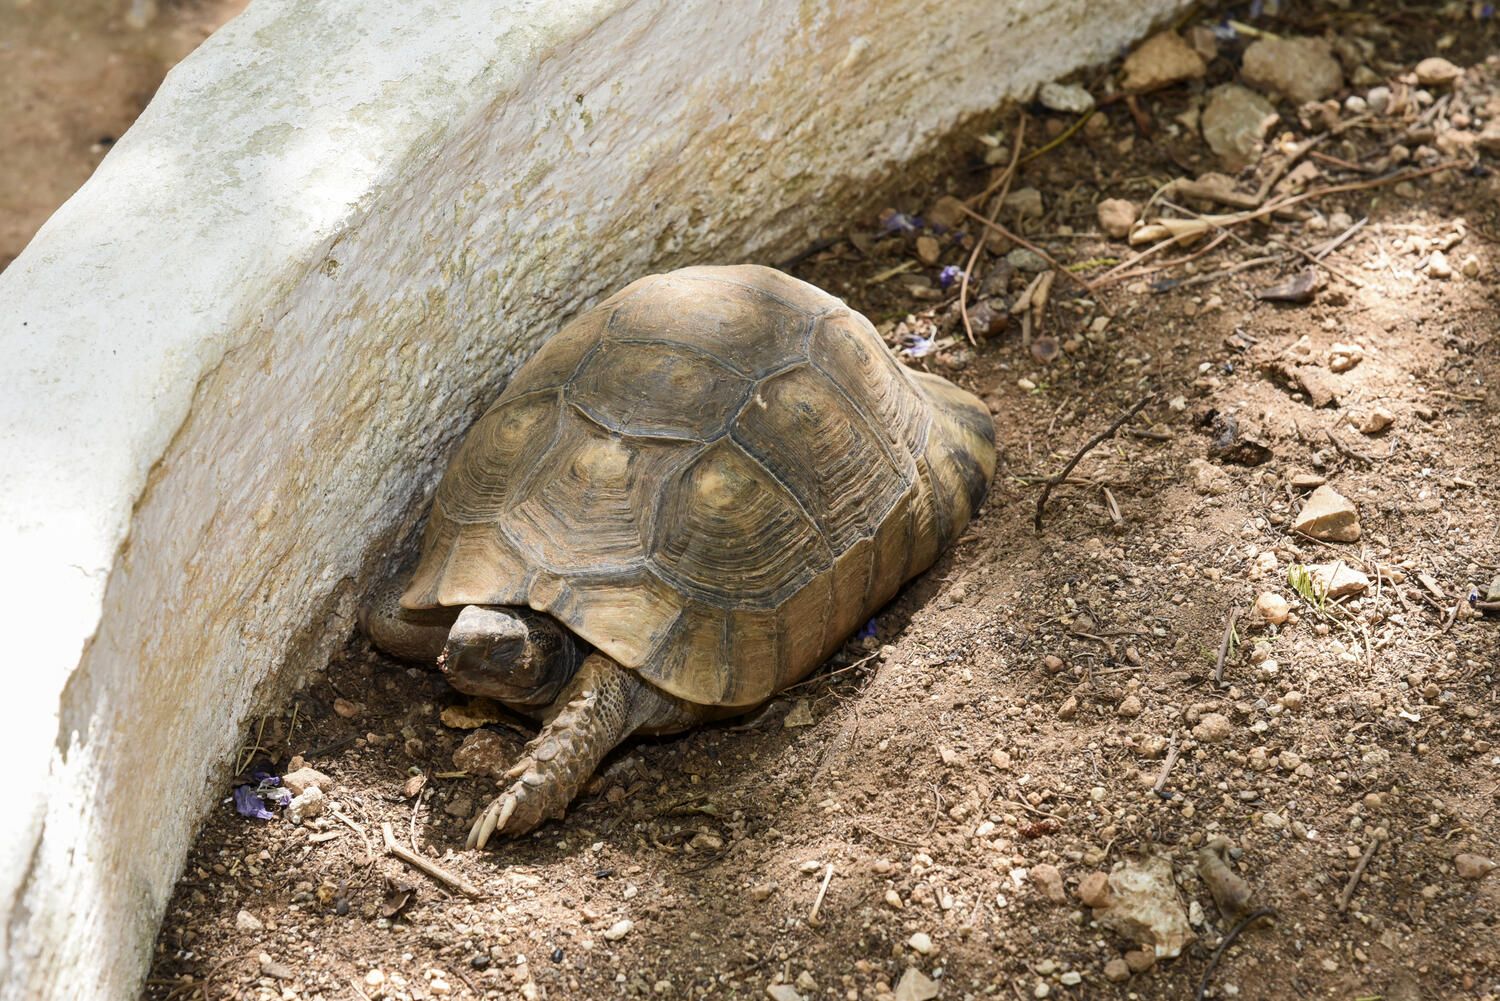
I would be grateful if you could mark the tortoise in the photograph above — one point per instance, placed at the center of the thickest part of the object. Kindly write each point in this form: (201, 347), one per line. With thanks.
(684, 502)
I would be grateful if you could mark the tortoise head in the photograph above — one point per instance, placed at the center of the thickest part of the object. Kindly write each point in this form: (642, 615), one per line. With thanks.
(514, 655)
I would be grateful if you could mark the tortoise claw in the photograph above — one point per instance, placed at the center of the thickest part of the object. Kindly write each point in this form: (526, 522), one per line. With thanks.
(494, 818)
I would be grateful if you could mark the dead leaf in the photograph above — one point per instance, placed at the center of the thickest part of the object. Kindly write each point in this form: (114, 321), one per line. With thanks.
(1300, 288)
(473, 714)
(397, 897)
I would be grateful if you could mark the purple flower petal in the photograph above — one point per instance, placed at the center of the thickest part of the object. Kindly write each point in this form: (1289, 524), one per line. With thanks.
(251, 805)
(950, 274)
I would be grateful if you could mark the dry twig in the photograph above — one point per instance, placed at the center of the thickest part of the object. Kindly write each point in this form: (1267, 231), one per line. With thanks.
(1013, 238)
(1234, 933)
(1107, 433)
(1004, 188)
(1234, 616)
(1359, 871)
(812, 918)
(437, 872)
(1166, 766)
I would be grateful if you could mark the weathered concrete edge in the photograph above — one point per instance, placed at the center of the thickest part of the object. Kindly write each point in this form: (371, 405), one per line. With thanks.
(330, 345)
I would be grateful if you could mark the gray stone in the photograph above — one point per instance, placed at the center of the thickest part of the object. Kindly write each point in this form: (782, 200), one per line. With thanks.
(1234, 124)
(1069, 98)
(1299, 69)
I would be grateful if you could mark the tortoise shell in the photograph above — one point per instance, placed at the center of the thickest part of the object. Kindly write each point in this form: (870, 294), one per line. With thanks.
(714, 477)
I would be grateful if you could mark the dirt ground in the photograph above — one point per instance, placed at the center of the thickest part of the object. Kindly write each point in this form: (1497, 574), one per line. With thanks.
(923, 818)
(74, 74)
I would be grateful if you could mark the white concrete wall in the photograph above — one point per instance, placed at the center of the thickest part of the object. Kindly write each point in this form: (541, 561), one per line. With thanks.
(234, 361)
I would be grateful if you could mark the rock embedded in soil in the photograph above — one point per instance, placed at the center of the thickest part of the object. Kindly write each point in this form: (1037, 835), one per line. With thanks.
(1160, 61)
(1471, 866)
(915, 986)
(1328, 516)
(1145, 908)
(1049, 879)
(921, 942)
(1343, 357)
(1140, 960)
(1235, 123)
(1208, 479)
(783, 992)
(1026, 260)
(1116, 216)
(1093, 890)
(1307, 481)
(1320, 386)
(1435, 71)
(1299, 69)
(1069, 98)
(947, 212)
(1376, 420)
(929, 251)
(619, 929)
(1025, 203)
(1338, 580)
(1213, 728)
(1271, 608)
(299, 781)
(245, 921)
(1116, 971)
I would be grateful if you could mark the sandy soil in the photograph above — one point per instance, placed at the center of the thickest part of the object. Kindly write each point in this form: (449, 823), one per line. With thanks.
(1041, 706)
(73, 77)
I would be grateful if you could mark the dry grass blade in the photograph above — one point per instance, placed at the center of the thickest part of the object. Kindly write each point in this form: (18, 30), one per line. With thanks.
(1003, 184)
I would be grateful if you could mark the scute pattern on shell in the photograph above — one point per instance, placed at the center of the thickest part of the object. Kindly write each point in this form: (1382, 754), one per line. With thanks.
(713, 477)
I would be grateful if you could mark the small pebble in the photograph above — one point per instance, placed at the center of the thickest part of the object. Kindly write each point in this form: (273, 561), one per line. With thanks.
(921, 942)
(619, 929)
(1436, 71)
(1115, 971)
(1213, 728)
(1093, 890)
(1472, 866)
(1271, 608)
(245, 921)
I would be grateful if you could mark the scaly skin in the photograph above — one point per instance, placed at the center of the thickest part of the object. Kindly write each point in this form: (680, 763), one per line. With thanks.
(602, 705)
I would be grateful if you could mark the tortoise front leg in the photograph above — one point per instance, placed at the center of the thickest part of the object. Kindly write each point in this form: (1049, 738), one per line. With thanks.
(602, 705)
